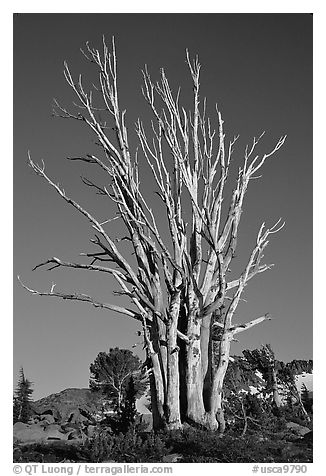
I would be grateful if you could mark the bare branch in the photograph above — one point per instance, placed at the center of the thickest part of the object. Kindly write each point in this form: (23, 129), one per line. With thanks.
(83, 298)
(66, 264)
(243, 327)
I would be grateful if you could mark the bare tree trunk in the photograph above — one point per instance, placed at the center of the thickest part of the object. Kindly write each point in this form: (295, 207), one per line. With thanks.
(173, 384)
(245, 418)
(157, 405)
(206, 359)
(119, 398)
(216, 411)
(156, 384)
(276, 393)
(194, 379)
(297, 395)
(194, 372)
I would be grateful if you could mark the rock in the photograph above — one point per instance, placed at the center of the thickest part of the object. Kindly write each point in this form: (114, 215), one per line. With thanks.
(48, 418)
(67, 427)
(19, 425)
(299, 430)
(142, 404)
(35, 419)
(54, 427)
(73, 433)
(30, 433)
(52, 432)
(171, 458)
(42, 423)
(77, 416)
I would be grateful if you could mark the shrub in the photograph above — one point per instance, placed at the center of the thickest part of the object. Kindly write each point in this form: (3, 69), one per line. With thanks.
(130, 447)
(198, 446)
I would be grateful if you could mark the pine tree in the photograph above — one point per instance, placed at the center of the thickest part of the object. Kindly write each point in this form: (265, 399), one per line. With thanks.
(128, 410)
(22, 408)
(111, 372)
(263, 360)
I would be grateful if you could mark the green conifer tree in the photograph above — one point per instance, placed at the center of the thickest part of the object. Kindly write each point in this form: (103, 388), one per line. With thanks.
(22, 408)
(128, 410)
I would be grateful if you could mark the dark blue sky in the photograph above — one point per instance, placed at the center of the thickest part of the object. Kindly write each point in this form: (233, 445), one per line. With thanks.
(258, 68)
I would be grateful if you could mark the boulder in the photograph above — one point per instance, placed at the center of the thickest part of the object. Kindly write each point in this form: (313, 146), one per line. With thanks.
(30, 433)
(299, 430)
(35, 419)
(142, 404)
(76, 416)
(171, 458)
(42, 423)
(52, 432)
(70, 426)
(47, 418)
(73, 433)
(19, 425)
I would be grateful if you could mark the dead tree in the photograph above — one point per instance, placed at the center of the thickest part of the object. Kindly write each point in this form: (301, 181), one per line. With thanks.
(178, 289)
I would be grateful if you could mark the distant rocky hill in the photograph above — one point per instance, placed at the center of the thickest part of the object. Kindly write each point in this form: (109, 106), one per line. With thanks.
(74, 404)
(70, 404)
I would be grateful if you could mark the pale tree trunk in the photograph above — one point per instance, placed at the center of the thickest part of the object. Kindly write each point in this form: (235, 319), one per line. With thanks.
(194, 379)
(276, 394)
(303, 410)
(173, 385)
(194, 373)
(216, 414)
(297, 395)
(206, 348)
(119, 398)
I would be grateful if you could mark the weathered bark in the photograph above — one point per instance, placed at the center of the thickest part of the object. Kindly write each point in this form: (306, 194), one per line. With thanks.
(206, 358)
(194, 380)
(276, 394)
(303, 410)
(216, 411)
(194, 373)
(173, 384)
(159, 422)
(245, 418)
